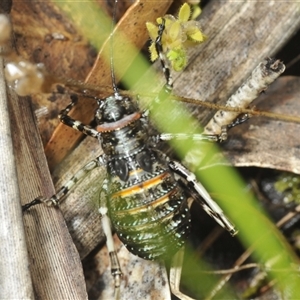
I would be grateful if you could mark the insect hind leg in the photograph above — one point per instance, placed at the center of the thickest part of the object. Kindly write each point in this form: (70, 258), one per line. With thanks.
(199, 193)
(107, 229)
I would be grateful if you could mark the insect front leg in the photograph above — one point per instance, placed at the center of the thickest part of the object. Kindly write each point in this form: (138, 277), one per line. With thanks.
(208, 204)
(64, 190)
(107, 229)
(159, 49)
(259, 80)
(67, 120)
(185, 136)
(204, 137)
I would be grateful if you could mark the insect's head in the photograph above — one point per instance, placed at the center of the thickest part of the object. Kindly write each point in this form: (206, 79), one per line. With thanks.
(114, 108)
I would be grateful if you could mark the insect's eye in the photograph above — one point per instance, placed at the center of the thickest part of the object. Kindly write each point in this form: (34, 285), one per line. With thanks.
(129, 105)
(98, 115)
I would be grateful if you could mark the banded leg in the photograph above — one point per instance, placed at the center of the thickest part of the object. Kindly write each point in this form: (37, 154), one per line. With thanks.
(208, 204)
(107, 228)
(216, 129)
(184, 136)
(261, 77)
(203, 137)
(224, 129)
(67, 120)
(64, 190)
(159, 49)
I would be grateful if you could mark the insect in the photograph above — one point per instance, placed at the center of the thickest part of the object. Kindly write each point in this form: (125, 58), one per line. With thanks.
(120, 168)
(145, 200)
(146, 193)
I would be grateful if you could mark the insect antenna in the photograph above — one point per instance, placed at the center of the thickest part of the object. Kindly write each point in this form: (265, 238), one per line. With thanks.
(111, 50)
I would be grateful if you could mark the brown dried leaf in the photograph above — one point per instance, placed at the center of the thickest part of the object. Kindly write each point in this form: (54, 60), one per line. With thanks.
(267, 143)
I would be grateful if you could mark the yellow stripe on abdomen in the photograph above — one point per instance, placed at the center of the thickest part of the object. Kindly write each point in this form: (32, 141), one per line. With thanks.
(141, 186)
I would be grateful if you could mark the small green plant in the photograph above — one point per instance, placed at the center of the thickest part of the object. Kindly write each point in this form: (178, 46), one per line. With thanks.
(179, 34)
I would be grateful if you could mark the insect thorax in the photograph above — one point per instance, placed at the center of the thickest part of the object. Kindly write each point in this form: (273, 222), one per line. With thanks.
(123, 136)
